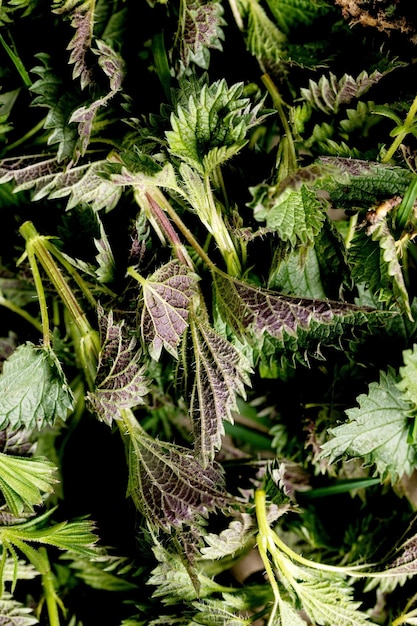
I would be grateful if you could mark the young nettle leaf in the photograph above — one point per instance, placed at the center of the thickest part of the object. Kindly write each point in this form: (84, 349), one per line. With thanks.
(211, 612)
(121, 382)
(221, 372)
(24, 482)
(289, 14)
(166, 296)
(296, 215)
(214, 117)
(408, 381)
(33, 390)
(200, 31)
(166, 482)
(377, 430)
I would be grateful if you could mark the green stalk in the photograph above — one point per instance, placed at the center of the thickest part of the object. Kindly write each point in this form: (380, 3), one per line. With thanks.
(87, 340)
(51, 598)
(401, 132)
(17, 62)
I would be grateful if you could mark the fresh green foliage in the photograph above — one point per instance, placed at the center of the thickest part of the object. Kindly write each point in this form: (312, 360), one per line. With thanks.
(208, 361)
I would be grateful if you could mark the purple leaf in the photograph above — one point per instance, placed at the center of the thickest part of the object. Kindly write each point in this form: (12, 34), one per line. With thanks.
(166, 299)
(120, 382)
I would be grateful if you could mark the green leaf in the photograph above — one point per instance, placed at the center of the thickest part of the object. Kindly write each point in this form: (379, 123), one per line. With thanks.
(408, 373)
(24, 481)
(212, 612)
(264, 40)
(105, 572)
(289, 14)
(221, 372)
(298, 273)
(237, 537)
(167, 294)
(377, 430)
(33, 390)
(55, 95)
(13, 613)
(295, 215)
(121, 382)
(213, 117)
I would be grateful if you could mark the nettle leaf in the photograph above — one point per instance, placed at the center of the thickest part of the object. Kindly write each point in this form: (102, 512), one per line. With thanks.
(296, 215)
(245, 306)
(173, 582)
(212, 117)
(263, 39)
(297, 273)
(221, 372)
(201, 31)
(408, 381)
(168, 484)
(82, 21)
(167, 294)
(105, 572)
(375, 263)
(289, 14)
(377, 430)
(329, 93)
(13, 613)
(360, 183)
(33, 390)
(211, 612)
(329, 600)
(86, 183)
(24, 482)
(113, 66)
(121, 382)
(237, 537)
(53, 94)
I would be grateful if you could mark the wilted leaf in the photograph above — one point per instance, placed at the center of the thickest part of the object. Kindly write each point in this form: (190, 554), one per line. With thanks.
(33, 390)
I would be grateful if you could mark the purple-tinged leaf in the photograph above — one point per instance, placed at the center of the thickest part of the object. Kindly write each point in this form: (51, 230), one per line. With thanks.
(166, 299)
(120, 382)
(265, 311)
(167, 483)
(201, 31)
(83, 22)
(221, 372)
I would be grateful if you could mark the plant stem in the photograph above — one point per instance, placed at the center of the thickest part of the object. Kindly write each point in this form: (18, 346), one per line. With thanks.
(51, 598)
(17, 62)
(41, 297)
(402, 132)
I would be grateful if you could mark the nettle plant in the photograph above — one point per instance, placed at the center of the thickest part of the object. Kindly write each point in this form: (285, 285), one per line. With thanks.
(225, 283)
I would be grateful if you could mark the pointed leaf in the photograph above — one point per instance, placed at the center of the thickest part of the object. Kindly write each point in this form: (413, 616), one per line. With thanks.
(377, 430)
(201, 32)
(221, 372)
(408, 373)
(166, 300)
(121, 382)
(24, 481)
(264, 311)
(33, 390)
(83, 23)
(296, 215)
(168, 484)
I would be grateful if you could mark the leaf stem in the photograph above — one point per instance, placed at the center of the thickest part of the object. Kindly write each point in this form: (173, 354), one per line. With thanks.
(51, 598)
(401, 132)
(41, 297)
